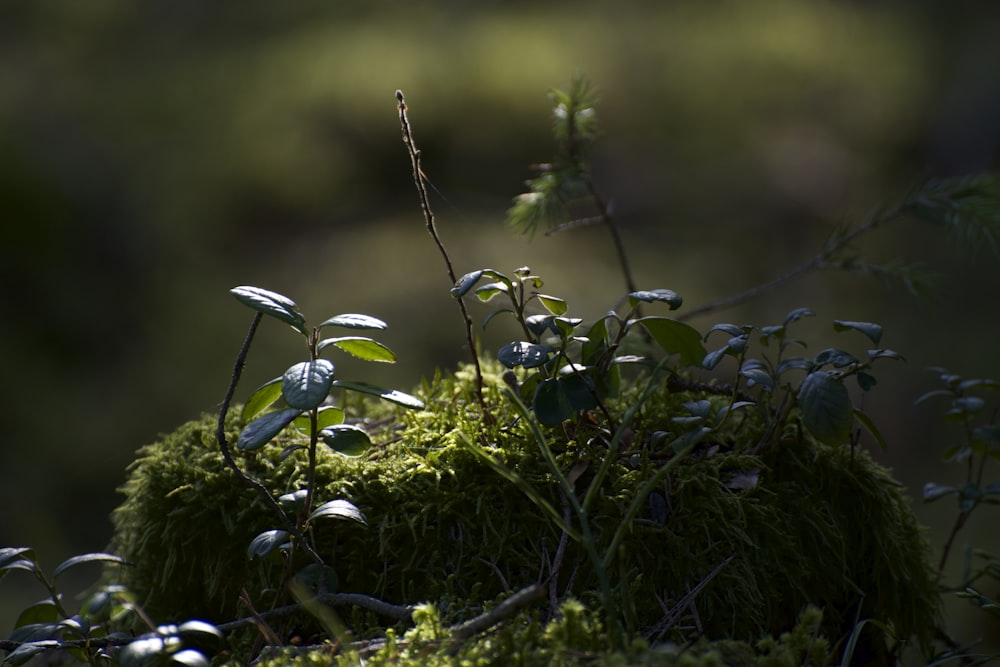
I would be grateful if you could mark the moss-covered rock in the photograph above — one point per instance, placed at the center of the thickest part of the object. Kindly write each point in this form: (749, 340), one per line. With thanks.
(795, 524)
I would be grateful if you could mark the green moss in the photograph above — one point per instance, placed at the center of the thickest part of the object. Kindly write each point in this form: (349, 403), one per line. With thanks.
(820, 527)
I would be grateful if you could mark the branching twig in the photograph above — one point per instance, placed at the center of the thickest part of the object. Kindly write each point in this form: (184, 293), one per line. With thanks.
(419, 179)
(820, 260)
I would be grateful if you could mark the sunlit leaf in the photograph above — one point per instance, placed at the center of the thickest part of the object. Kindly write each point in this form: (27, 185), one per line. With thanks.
(326, 416)
(189, 657)
(201, 635)
(260, 431)
(469, 280)
(361, 347)
(347, 439)
(86, 558)
(266, 543)
(524, 354)
(307, 384)
(873, 331)
(338, 509)
(538, 324)
(553, 304)
(490, 290)
(13, 554)
(261, 399)
(391, 395)
(827, 412)
(675, 337)
(669, 297)
(273, 304)
(354, 321)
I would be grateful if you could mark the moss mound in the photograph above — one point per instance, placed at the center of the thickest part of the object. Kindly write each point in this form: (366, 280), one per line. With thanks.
(799, 524)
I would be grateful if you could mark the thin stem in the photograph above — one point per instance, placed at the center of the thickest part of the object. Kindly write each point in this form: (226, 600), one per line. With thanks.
(419, 180)
(220, 436)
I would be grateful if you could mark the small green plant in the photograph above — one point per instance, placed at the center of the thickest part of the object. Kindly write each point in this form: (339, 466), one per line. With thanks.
(979, 441)
(573, 367)
(299, 398)
(49, 625)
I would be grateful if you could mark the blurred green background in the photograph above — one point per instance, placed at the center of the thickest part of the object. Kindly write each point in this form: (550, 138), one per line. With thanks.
(154, 155)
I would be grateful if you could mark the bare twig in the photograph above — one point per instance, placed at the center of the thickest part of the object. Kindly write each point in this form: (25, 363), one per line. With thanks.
(674, 614)
(387, 609)
(501, 612)
(420, 179)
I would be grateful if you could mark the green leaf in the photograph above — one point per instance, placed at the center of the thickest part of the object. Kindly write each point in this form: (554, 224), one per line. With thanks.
(307, 384)
(201, 635)
(354, 321)
(675, 337)
(338, 509)
(391, 395)
(10, 555)
(261, 399)
(551, 403)
(147, 651)
(490, 290)
(713, 358)
(266, 543)
(40, 612)
(294, 501)
(873, 331)
(866, 381)
(260, 431)
(885, 354)
(869, 425)
(361, 347)
(566, 325)
(524, 354)
(669, 297)
(27, 651)
(797, 314)
(189, 657)
(837, 358)
(466, 282)
(537, 324)
(730, 329)
(86, 558)
(347, 439)
(273, 304)
(827, 412)
(326, 416)
(553, 304)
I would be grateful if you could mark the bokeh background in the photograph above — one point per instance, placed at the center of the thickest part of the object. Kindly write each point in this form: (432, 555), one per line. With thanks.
(154, 155)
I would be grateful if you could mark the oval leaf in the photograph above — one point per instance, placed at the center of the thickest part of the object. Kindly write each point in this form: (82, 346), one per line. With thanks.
(189, 657)
(294, 501)
(338, 509)
(327, 416)
(354, 321)
(391, 395)
(553, 304)
(26, 651)
(797, 314)
(267, 542)
(346, 439)
(307, 384)
(259, 432)
(86, 558)
(869, 425)
(873, 331)
(675, 337)
(669, 297)
(273, 304)
(827, 412)
(465, 283)
(261, 399)
(361, 347)
(551, 404)
(524, 354)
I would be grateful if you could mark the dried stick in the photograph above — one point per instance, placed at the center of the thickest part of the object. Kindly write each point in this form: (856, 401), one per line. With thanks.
(419, 178)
